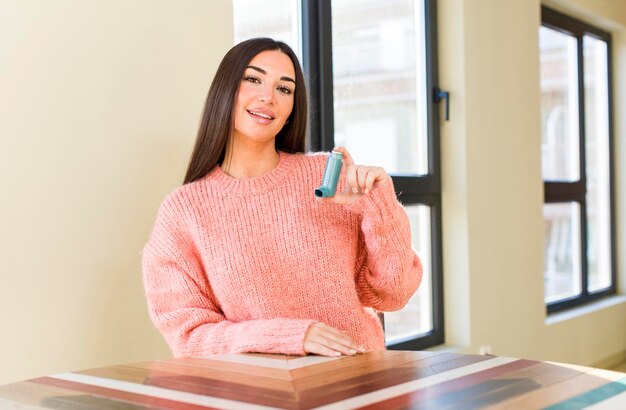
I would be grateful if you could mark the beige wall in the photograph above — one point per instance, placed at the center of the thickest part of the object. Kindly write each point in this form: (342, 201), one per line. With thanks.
(493, 190)
(98, 111)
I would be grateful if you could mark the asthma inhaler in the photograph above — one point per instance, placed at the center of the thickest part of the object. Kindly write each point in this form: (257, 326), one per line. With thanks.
(331, 175)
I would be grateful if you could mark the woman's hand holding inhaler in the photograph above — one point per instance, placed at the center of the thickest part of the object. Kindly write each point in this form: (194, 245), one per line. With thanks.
(361, 180)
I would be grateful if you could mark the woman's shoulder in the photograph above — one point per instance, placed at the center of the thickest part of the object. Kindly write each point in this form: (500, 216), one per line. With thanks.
(182, 199)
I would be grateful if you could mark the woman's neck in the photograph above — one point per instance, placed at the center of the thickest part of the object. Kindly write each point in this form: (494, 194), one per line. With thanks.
(242, 163)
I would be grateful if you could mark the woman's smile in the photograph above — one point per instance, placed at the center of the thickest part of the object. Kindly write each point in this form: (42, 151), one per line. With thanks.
(262, 116)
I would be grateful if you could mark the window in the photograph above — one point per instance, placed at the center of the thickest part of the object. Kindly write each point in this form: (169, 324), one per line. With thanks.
(278, 19)
(371, 72)
(576, 161)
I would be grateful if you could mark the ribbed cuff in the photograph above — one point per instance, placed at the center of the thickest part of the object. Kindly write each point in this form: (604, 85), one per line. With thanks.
(283, 336)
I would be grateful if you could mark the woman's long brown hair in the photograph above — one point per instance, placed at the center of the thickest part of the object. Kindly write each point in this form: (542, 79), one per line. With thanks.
(217, 119)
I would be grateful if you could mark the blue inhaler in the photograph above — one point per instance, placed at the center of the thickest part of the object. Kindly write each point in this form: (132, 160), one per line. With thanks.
(331, 175)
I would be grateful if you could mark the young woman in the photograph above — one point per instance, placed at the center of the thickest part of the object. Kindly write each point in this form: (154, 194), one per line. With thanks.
(244, 258)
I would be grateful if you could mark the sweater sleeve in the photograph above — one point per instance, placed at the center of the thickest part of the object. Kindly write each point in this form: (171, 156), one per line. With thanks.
(184, 309)
(388, 269)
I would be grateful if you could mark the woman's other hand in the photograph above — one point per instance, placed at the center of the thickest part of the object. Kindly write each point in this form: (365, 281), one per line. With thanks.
(327, 341)
(361, 180)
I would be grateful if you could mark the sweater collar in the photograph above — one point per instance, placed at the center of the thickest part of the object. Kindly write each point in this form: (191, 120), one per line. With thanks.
(255, 185)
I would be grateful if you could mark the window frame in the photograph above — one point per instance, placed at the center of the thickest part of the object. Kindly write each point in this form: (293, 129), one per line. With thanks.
(576, 191)
(411, 189)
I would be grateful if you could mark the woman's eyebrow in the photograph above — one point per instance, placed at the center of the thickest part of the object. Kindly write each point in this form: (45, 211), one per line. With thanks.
(262, 71)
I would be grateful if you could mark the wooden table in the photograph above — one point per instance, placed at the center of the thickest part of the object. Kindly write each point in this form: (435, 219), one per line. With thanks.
(377, 380)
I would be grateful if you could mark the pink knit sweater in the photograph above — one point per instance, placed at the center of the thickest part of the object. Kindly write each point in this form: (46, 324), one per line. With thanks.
(247, 265)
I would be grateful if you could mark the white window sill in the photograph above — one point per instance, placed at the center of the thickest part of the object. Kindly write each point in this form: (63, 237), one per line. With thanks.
(444, 348)
(576, 312)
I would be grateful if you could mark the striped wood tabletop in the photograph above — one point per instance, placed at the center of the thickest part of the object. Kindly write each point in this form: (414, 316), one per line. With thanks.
(376, 380)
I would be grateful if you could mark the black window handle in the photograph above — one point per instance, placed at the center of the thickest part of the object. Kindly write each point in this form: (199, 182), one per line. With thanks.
(439, 95)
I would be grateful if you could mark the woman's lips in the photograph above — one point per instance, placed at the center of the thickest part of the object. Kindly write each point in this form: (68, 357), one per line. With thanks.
(261, 117)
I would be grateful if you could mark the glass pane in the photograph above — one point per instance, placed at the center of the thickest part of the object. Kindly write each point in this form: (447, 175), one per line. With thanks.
(380, 83)
(559, 106)
(562, 251)
(597, 163)
(416, 317)
(277, 19)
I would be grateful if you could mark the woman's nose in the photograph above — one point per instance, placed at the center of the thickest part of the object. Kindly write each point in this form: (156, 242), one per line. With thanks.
(267, 95)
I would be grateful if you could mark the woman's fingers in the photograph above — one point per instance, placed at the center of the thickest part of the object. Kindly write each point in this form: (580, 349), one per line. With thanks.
(362, 179)
(362, 173)
(352, 179)
(347, 158)
(318, 348)
(339, 346)
(369, 181)
(335, 336)
(328, 341)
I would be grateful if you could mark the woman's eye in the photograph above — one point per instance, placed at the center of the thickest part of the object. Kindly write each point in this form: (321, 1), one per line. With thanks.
(252, 79)
(284, 90)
